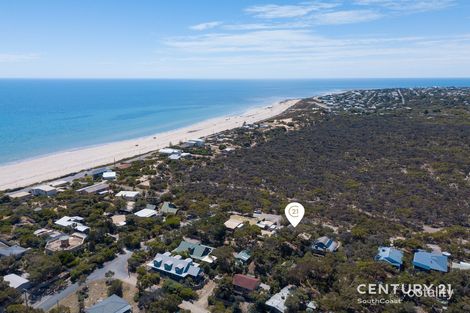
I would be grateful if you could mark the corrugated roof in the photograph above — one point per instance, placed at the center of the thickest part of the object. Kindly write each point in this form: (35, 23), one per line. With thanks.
(113, 304)
(245, 282)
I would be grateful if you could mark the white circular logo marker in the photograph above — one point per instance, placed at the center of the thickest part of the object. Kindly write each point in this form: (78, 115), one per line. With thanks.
(294, 212)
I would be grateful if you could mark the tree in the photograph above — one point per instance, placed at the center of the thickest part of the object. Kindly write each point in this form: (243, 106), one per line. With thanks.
(115, 288)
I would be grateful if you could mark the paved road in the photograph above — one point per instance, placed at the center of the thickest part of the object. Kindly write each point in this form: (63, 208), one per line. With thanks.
(118, 266)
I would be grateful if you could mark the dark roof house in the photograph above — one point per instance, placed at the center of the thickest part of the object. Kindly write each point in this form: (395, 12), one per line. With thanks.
(113, 304)
(325, 244)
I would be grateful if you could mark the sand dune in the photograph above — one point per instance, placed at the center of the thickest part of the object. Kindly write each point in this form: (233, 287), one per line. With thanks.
(48, 167)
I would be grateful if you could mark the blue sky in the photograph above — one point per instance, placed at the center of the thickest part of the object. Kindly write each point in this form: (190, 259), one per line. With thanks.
(234, 38)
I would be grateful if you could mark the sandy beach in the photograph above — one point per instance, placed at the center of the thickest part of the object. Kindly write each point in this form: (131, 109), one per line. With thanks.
(28, 172)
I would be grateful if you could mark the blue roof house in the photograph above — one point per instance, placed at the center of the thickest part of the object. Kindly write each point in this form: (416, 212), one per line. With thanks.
(390, 255)
(176, 267)
(430, 261)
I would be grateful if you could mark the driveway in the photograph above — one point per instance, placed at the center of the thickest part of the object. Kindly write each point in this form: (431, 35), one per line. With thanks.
(118, 266)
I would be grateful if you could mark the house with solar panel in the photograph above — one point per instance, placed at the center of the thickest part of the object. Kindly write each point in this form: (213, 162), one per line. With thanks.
(176, 267)
(390, 255)
(196, 251)
(430, 261)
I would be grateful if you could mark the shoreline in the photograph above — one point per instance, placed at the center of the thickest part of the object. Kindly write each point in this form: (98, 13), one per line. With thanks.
(51, 166)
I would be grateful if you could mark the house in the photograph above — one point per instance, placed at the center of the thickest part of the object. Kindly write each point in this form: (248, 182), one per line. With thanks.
(430, 261)
(325, 244)
(128, 195)
(66, 243)
(243, 256)
(464, 266)
(17, 282)
(196, 251)
(109, 175)
(15, 251)
(113, 304)
(169, 151)
(277, 303)
(168, 208)
(98, 172)
(197, 142)
(43, 190)
(245, 284)
(119, 220)
(99, 188)
(390, 255)
(48, 234)
(176, 267)
(146, 213)
(20, 195)
(174, 157)
(58, 183)
(73, 222)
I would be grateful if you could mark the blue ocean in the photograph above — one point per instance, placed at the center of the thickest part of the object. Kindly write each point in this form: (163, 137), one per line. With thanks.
(40, 117)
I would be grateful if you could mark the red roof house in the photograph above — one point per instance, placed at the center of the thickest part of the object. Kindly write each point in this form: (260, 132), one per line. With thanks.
(243, 283)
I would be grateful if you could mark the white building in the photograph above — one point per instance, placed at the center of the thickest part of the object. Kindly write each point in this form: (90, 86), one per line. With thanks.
(16, 281)
(43, 190)
(146, 213)
(128, 195)
(73, 222)
(169, 151)
(109, 175)
(278, 301)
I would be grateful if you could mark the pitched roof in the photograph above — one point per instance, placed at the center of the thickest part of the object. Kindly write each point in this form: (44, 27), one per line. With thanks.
(146, 213)
(278, 300)
(12, 251)
(168, 208)
(245, 282)
(196, 251)
(175, 265)
(390, 255)
(244, 255)
(113, 304)
(15, 281)
(430, 261)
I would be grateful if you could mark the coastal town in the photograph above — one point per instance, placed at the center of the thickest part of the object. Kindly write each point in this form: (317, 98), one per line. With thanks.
(199, 225)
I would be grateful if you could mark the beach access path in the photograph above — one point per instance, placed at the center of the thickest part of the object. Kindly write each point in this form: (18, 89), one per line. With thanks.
(32, 171)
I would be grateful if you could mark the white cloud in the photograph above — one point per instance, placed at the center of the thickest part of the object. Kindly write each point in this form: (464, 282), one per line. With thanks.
(346, 17)
(410, 6)
(205, 26)
(13, 58)
(271, 11)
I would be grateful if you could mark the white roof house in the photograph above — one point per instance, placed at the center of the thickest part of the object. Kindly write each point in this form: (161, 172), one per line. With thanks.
(43, 190)
(109, 175)
(233, 224)
(16, 281)
(19, 195)
(277, 302)
(129, 195)
(73, 222)
(169, 151)
(175, 156)
(146, 213)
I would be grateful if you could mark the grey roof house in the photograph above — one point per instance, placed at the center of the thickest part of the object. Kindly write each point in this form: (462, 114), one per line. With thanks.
(196, 251)
(168, 208)
(176, 267)
(113, 304)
